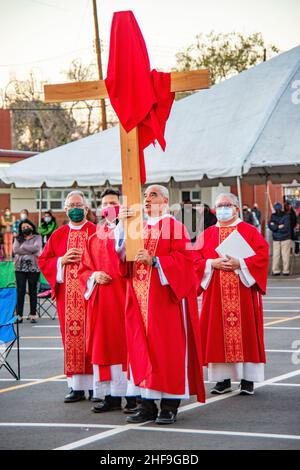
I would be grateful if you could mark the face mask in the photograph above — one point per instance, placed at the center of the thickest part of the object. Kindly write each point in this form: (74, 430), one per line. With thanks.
(111, 212)
(76, 214)
(7, 213)
(47, 219)
(23, 216)
(27, 231)
(224, 213)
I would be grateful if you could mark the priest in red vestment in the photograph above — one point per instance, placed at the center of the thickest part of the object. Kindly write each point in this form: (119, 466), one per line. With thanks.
(231, 319)
(59, 262)
(162, 323)
(105, 290)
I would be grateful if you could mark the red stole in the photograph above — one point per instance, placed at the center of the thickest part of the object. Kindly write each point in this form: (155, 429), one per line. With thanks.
(142, 272)
(231, 308)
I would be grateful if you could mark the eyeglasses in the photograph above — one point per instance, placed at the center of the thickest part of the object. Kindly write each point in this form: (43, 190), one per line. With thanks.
(73, 206)
(219, 206)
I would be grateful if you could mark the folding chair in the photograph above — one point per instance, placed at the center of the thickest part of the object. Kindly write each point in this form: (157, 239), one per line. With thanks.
(8, 335)
(45, 304)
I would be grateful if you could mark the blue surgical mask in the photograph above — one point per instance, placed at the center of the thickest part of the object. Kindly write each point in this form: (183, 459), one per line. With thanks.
(224, 213)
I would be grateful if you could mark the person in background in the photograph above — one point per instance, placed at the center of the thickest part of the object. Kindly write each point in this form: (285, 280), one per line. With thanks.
(257, 212)
(24, 214)
(27, 247)
(91, 217)
(288, 209)
(280, 225)
(191, 218)
(209, 217)
(297, 232)
(47, 226)
(7, 222)
(248, 215)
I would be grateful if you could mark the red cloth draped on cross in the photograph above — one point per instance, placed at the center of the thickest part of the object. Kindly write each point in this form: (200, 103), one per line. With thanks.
(139, 96)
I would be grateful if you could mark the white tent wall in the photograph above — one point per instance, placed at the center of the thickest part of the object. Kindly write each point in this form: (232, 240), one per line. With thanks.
(244, 123)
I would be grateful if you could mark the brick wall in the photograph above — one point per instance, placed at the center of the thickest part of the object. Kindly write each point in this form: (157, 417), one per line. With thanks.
(5, 130)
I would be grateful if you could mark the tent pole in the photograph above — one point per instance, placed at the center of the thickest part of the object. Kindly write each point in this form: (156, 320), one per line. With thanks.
(266, 207)
(238, 183)
(40, 208)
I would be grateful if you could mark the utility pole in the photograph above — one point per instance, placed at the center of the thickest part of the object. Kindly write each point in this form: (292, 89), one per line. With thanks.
(99, 63)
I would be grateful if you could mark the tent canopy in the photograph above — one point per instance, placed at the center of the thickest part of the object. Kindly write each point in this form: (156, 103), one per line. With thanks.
(245, 126)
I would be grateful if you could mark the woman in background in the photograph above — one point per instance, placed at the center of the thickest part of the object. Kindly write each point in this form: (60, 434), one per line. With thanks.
(27, 247)
(47, 226)
(7, 222)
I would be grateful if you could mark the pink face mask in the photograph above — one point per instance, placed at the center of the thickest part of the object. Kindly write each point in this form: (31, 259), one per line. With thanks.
(111, 212)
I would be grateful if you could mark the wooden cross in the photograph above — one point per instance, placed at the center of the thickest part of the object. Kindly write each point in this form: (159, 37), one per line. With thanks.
(131, 182)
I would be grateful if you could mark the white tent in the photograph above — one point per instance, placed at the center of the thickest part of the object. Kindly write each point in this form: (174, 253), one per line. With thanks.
(247, 124)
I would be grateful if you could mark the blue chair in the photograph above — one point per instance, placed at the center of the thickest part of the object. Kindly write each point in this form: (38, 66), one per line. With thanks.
(8, 334)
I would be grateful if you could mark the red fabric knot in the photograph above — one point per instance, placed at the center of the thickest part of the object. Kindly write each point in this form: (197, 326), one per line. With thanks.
(139, 96)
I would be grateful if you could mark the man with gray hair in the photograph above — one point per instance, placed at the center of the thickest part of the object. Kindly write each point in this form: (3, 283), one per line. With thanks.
(59, 262)
(164, 352)
(232, 277)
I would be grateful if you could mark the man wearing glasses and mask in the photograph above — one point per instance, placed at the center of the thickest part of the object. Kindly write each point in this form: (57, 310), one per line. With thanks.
(233, 282)
(59, 262)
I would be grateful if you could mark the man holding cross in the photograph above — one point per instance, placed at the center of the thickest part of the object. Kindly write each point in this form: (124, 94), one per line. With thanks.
(162, 325)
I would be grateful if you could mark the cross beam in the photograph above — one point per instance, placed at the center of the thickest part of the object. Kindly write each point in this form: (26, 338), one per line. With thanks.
(131, 183)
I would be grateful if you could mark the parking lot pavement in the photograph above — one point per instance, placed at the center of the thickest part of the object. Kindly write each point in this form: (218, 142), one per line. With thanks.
(33, 415)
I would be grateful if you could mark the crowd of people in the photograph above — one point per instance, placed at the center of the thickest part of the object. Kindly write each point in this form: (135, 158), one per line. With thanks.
(132, 329)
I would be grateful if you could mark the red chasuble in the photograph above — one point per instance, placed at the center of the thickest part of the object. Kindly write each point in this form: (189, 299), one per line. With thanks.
(156, 337)
(71, 306)
(139, 97)
(106, 339)
(231, 320)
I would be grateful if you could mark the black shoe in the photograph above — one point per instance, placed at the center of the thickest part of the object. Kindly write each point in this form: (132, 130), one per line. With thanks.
(94, 399)
(246, 387)
(108, 404)
(131, 405)
(20, 320)
(74, 395)
(142, 415)
(222, 387)
(275, 274)
(33, 320)
(166, 417)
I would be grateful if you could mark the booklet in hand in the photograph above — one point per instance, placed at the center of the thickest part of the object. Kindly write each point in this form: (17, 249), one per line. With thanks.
(236, 246)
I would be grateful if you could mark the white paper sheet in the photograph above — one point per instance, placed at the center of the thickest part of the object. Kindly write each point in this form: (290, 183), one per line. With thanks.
(236, 246)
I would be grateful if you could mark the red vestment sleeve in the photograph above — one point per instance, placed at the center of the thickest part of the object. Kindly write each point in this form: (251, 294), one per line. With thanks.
(139, 97)
(47, 262)
(86, 268)
(178, 266)
(258, 264)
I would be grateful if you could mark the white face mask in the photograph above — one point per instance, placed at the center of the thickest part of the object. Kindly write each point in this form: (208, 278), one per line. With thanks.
(47, 219)
(23, 216)
(224, 214)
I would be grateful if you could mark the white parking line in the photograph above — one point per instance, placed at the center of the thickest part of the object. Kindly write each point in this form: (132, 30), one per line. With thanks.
(223, 433)
(46, 326)
(289, 351)
(281, 328)
(101, 436)
(115, 429)
(282, 310)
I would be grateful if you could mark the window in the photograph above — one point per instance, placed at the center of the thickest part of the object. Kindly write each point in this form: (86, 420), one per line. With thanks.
(54, 199)
(190, 195)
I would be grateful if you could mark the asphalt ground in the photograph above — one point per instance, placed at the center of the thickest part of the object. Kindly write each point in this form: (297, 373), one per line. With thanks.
(33, 415)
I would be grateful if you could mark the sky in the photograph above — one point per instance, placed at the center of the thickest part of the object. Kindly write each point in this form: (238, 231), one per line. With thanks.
(46, 35)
